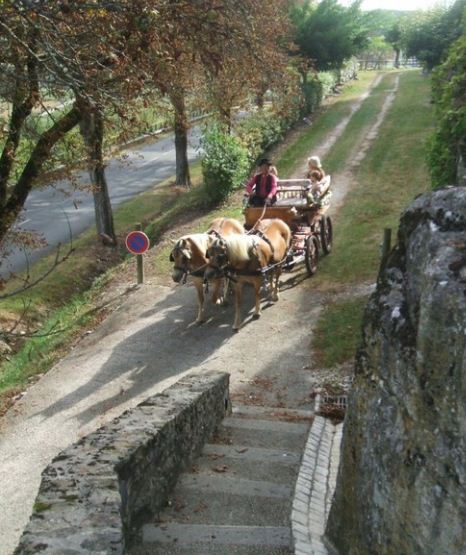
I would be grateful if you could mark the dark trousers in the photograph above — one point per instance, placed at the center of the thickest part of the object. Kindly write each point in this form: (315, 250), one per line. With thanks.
(259, 201)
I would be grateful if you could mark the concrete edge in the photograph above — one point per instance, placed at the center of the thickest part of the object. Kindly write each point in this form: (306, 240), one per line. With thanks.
(94, 494)
(314, 488)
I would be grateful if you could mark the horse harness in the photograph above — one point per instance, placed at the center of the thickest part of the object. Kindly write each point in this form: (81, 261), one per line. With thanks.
(228, 272)
(198, 272)
(264, 237)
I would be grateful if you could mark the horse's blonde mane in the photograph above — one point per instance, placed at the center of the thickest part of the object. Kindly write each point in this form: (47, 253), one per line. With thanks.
(239, 247)
(199, 240)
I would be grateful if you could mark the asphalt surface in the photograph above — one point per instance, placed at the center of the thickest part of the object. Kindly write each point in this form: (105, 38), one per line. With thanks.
(60, 211)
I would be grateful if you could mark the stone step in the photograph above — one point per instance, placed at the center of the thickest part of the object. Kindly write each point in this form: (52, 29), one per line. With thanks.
(249, 432)
(228, 500)
(181, 539)
(236, 498)
(259, 454)
(207, 549)
(272, 413)
(280, 467)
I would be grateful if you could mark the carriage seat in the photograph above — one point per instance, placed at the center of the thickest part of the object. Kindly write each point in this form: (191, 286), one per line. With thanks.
(292, 191)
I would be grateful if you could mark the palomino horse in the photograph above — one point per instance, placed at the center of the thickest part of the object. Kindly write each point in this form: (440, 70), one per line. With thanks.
(245, 256)
(189, 258)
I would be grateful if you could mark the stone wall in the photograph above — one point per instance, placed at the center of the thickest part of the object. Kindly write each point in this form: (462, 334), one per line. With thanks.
(94, 494)
(401, 487)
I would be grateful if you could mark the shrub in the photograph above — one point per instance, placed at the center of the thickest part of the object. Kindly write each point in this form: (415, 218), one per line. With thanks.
(225, 163)
(259, 132)
(448, 145)
(328, 80)
(313, 92)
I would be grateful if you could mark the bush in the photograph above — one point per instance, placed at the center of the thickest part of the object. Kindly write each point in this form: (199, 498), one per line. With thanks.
(313, 92)
(448, 145)
(259, 132)
(225, 163)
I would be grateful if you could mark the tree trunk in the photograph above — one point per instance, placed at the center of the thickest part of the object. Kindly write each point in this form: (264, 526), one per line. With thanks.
(397, 57)
(12, 207)
(25, 97)
(181, 138)
(92, 130)
(225, 113)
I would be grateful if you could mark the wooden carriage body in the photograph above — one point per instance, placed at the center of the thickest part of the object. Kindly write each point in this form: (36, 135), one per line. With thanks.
(311, 229)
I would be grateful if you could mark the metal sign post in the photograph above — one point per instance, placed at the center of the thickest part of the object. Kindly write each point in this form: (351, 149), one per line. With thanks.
(137, 243)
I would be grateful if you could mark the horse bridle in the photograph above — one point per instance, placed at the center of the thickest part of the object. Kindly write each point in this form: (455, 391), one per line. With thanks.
(185, 271)
(221, 270)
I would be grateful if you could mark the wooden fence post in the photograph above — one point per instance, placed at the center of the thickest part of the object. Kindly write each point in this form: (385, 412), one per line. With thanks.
(387, 240)
(139, 261)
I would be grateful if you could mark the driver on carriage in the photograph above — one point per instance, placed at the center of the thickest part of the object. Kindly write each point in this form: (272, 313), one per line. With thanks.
(262, 188)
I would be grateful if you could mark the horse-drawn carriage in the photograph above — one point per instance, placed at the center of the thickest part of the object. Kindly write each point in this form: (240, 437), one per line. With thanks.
(274, 238)
(306, 216)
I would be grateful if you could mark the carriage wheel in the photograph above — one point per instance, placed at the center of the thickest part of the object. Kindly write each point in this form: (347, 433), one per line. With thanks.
(326, 234)
(311, 256)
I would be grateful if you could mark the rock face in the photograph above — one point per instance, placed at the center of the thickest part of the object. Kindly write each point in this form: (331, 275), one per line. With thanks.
(402, 480)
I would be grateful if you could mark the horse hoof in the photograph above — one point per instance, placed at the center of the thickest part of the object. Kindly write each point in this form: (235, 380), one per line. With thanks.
(256, 316)
(235, 330)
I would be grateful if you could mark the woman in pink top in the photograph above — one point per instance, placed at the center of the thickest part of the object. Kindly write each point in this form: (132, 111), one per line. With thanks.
(262, 188)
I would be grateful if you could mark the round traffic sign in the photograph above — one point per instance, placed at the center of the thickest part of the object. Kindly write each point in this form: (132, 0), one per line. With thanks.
(137, 242)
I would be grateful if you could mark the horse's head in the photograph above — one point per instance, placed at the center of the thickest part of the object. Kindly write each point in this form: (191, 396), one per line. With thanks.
(180, 255)
(217, 255)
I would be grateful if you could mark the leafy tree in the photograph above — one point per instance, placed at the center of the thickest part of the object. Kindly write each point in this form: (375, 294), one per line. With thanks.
(377, 50)
(329, 33)
(430, 33)
(77, 50)
(394, 36)
(448, 147)
(325, 35)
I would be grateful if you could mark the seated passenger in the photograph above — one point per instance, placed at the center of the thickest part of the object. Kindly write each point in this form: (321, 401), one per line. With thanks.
(318, 187)
(262, 188)
(314, 165)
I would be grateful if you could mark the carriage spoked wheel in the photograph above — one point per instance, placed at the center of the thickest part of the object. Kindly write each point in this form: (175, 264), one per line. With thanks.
(311, 256)
(326, 234)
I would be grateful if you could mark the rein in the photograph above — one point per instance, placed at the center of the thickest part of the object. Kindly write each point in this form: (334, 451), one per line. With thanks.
(253, 228)
(198, 272)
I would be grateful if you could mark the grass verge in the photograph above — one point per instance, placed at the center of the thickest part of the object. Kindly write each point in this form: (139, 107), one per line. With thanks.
(338, 331)
(393, 173)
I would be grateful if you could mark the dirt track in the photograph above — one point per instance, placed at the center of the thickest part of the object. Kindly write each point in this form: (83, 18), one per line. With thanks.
(145, 345)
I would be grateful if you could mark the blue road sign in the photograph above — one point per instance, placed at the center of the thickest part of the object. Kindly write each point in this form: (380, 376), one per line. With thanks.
(137, 242)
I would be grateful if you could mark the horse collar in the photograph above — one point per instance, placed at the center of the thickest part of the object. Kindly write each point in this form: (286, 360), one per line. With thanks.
(264, 238)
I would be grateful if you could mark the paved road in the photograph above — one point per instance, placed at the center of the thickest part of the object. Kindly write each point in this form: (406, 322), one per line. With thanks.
(48, 209)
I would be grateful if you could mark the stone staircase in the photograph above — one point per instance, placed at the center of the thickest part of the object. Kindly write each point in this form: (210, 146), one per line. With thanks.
(237, 497)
